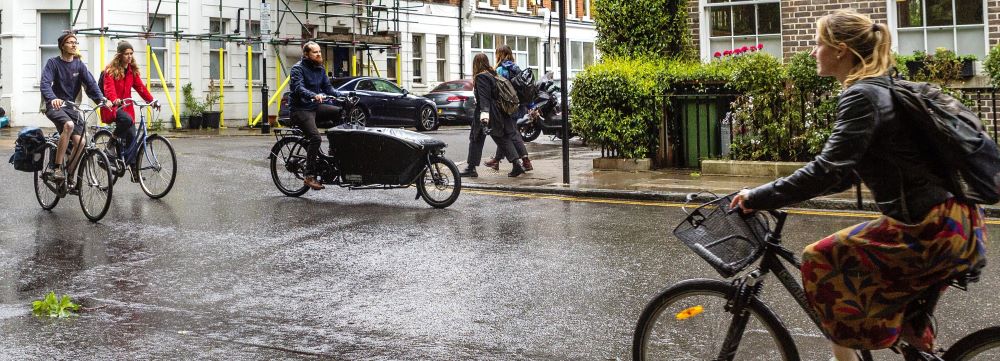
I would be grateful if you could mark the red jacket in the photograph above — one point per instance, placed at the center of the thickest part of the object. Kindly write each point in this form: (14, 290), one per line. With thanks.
(121, 89)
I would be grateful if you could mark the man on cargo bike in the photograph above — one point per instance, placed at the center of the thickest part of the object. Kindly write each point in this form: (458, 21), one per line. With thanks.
(309, 88)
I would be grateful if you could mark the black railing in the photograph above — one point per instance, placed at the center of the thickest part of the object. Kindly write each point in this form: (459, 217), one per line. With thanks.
(984, 103)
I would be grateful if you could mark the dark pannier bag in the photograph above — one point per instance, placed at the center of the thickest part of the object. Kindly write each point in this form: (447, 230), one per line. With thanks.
(28, 150)
(380, 155)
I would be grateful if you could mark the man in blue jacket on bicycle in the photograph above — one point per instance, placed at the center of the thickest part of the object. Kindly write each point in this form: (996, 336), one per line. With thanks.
(61, 80)
(308, 85)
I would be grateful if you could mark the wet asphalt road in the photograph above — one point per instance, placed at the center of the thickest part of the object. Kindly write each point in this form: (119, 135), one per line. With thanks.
(225, 267)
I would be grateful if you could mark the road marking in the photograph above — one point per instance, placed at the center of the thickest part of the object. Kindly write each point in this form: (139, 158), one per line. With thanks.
(557, 197)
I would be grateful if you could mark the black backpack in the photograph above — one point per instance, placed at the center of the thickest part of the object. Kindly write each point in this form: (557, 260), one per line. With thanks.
(28, 150)
(956, 135)
(524, 83)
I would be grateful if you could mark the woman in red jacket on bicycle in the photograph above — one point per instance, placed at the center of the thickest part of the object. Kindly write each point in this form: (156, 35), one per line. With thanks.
(119, 78)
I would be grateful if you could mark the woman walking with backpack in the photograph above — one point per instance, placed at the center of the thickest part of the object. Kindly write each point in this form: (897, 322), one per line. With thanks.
(507, 68)
(498, 124)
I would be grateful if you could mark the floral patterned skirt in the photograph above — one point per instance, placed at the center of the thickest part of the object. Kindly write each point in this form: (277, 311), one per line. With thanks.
(860, 279)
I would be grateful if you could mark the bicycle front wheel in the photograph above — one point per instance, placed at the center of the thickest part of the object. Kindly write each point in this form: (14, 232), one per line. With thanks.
(288, 162)
(157, 167)
(440, 183)
(46, 191)
(981, 345)
(689, 321)
(94, 181)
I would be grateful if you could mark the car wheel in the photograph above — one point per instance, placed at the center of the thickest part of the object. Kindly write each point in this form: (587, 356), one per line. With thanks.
(427, 120)
(359, 117)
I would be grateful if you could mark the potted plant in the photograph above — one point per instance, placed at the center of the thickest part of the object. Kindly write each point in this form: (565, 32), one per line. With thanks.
(968, 65)
(916, 63)
(211, 116)
(192, 108)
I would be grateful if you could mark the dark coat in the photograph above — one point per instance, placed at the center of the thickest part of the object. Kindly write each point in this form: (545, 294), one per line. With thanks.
(307, 80)
(485, 87)
(870, 141)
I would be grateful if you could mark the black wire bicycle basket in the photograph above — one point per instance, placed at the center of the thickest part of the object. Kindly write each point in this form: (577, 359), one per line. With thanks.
(728, 240)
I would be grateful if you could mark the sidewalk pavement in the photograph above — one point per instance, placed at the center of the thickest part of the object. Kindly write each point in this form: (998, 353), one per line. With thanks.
(547, 177)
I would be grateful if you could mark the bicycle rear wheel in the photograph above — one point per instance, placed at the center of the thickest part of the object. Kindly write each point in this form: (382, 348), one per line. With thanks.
(157, 167)
(440, 184)
(46, 190)
(689, 321)
(94, 180)
(288, 161)
(981, 345)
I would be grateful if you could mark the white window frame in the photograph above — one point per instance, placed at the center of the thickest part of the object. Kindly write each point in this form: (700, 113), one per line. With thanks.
(504, 5)
(571, 8)
(522, 6)
(586, 10)
(214, 53)
(705, 36)
(573, 70)
(479, 46)
(417, 57)
(258, 48)
(442, 58)
(164, 62)
(484, 4)
(893, 20)
(48, 42)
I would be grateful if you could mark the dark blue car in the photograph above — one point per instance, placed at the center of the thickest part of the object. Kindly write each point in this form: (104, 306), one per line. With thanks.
(382, 104)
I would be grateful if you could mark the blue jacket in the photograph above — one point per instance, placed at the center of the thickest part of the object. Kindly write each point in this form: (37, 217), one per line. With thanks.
(62, 80)
(508, 69)
(307, 80)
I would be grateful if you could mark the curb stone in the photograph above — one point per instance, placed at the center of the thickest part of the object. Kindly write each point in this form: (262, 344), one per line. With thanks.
(816, 203)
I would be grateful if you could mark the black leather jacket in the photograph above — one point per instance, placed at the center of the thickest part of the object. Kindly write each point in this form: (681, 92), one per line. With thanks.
(872, 142)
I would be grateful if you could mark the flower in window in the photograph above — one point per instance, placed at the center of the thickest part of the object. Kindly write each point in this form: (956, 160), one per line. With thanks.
(760, 46)
(718, 54)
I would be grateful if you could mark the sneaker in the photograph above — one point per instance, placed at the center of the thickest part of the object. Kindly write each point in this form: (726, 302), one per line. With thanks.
(493, 163)
(312, 183)
(518, 170)
(527, 164)
(469, 172)
(58, 175)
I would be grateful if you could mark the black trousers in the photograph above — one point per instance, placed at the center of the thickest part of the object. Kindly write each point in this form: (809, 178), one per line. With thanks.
(505, 145)
(124, 129)
(477, 139)
(516, 139)
(305, 120)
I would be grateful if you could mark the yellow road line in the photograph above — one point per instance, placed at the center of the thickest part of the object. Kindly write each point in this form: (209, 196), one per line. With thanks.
(557, 197)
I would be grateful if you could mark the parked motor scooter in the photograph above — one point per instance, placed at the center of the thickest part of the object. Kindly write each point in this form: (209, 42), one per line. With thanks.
(544, 116)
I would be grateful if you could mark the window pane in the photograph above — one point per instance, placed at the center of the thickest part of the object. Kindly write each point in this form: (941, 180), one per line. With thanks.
(772, 45)
(910, 13)
(213, 65)
(769, 18)
(418, 46)
(940, 39)
(720, 45)
(417, 71)
(743, 20)
(390, 66)
(588, 54)
(477, 41)
(442, 70)
(968, 12)
(159, 26)
(256, 66)
(939, 12)
(53, 25)
(48, 53)
(911, 41)
(488, 41)
(442, 46)
(533, 51)
(522, 43)
(577, 55)
(718, 19)
(216, 27)
(971, 41)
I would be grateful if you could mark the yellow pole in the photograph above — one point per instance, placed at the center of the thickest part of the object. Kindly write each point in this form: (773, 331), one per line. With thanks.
(222, 92)
(277, 79)
(177, 81)
(399, 68)
(249, 85)
(149, 81)
(274, 97)
(354, 62)
(163, 82)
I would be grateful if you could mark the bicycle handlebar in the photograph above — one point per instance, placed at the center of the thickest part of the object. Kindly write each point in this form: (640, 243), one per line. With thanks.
(84, 107)
(140, 102)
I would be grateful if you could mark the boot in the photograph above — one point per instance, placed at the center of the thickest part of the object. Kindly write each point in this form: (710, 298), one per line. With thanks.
(518, 169)
(493, 163)
(527, 164)
(469, 172)
(312, 183)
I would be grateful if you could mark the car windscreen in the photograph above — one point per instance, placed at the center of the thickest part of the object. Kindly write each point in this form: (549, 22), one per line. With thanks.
(453, 86)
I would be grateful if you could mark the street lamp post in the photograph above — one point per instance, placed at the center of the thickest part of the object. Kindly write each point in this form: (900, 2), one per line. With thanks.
(564, 74)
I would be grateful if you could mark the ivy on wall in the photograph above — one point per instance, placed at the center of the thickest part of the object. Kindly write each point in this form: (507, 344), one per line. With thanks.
(636, 28)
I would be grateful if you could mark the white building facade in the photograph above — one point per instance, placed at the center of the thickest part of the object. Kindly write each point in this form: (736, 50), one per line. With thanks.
(437, 40)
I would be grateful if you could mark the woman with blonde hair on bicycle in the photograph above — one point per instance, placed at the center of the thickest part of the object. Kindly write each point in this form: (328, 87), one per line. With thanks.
(861, 279)
(119, 77)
